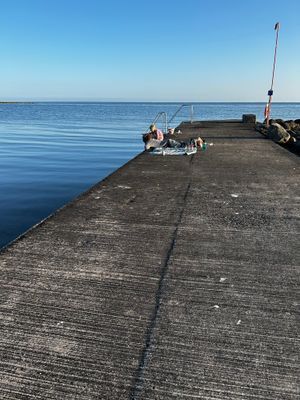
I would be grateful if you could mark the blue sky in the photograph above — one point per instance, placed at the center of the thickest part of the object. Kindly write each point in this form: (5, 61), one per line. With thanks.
(167, 50)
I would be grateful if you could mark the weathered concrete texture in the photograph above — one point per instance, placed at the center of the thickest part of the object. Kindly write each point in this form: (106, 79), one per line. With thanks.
(174, 278)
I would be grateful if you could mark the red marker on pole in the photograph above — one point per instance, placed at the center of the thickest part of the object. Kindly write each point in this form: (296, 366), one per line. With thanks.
(270, 92)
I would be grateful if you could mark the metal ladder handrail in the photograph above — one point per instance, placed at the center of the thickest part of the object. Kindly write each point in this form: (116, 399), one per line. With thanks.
(164, 114)
(158, 116)
(179, 109)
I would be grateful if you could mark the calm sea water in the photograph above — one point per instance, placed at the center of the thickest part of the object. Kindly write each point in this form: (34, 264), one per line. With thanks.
(51, 152)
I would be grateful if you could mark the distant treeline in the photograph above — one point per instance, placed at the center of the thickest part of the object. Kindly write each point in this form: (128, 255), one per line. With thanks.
(16, 102)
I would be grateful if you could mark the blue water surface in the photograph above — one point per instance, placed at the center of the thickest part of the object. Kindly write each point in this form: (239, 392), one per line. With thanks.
(51, 152)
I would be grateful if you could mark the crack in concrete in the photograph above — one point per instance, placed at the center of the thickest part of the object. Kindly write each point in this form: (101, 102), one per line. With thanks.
(149, 341)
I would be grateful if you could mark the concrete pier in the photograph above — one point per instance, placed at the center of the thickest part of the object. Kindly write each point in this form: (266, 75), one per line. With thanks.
(173, 278)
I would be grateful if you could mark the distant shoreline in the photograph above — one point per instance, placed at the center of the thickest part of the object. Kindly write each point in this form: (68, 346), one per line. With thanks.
(16, 102)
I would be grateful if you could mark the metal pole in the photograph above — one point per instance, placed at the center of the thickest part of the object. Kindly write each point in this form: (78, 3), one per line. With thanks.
(192, 113)
(166, 123)
(270, 92)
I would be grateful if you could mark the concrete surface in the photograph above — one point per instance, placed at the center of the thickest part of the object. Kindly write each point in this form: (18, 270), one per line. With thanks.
(174, 278)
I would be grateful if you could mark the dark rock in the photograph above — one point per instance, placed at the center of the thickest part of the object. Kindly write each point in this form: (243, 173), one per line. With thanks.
(279, 121)
(290, 124)
(297, 121)
(293, 145)
(294, 134)
(271, 121)
(297, 127)
(283, 124)
(262, 128)
(278, 134)
(286, 126)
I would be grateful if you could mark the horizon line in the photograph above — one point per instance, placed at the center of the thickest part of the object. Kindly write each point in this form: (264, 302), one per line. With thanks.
(140, 101)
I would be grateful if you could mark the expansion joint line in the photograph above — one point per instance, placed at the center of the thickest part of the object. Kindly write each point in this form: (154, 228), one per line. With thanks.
(149, 341)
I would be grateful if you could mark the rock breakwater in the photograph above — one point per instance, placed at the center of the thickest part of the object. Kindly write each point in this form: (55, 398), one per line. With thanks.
(285, 133)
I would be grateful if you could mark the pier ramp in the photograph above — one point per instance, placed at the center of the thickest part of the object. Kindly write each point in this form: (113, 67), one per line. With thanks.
(173, 278)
